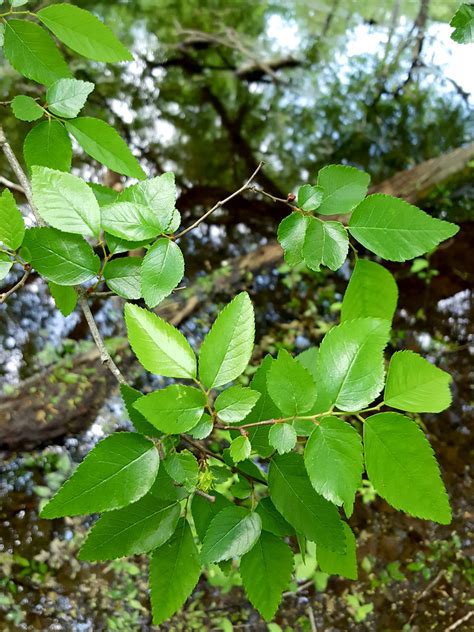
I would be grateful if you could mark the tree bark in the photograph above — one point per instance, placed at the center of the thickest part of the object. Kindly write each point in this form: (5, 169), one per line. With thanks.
(29, 418)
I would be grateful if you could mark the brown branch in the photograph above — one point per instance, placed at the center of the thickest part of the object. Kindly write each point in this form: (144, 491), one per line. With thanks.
(17, 286)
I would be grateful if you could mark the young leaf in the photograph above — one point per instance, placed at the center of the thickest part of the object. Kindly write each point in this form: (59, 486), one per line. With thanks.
(84, 33)
(174, 572)
(183, 468)
(416, 385)
(282, 437)
(290, 385)
(402, 468)
(396, 230)
(295, 498)
(5, 265)
(228, 346)
(117, 472)
(272, 520)
(240, 449)
(309, 197)
(26, 109)
(130, 221)
(60, 257)
(66, 97)
(266, 572)
(334, 461)
(65, 297)
(325, 243)
(351, 367)
(158, 194)
(343, 564)
(12, 226)
(372, 291)
(137, 528)
(203, 428)
(204, 511)
(33, 53)
(65, 201)
(48, 145)
(98, 139)
(343, 188)
(235, 403)
(130, 396)
(174, 409)
(162, 270)
(123, 276)
(463, 24)
(232, 532)
(159, 347)
(291, 235)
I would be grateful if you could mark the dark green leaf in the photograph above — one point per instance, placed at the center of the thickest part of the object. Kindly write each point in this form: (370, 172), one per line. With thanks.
(48, 145)
(232, 532)
(372, 291)
(309, 197)
(98, 139)
(325, 243)
(402, 468)
(204, 511)
(272, 520)
(290, 385)
(84, 33)
(343, 564)
(118, 471)
(291, 235)
(65, 297)
(130, 396)
(183, 468)
(343, 187)
(60, 257)
(162, 270)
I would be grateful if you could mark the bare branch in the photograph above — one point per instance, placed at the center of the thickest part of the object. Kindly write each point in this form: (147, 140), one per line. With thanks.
(17, 286)
(11, 185)
(219, 204)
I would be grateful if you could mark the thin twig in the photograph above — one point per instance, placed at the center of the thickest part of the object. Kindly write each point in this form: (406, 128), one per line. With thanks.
(273, 198)
(17, 286)
(104, 354)
(199, 492)
(219, 204)
(460, 621)
(11, 185)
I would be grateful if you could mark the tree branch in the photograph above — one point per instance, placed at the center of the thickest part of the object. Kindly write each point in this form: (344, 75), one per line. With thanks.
(219, 204)
(17, 286)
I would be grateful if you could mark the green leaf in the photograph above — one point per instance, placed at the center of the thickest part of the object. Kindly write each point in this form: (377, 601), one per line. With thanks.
(240, 449)
(290, 385)
(138, 528)
(235, 403)
(463, 24)
(203, 428)
(309, 359)
(2, 34)
(232, 532)
(174, 223)
(130, 221)
(266, 572)
(309, 197)
(12, 226)
(343, 564)
(98, 139)
(66, 97)
(159, 347)
(174, 572)
(282, 437)
(396, 230)
(272, 520)
(26, 108)
(343, 188)
(84, 33)
(158, 194)
(351, 366)
(174, 409)
(183, 468)
(123, 276)
(295, 498)
(65, 201)
(291, 235)
(416, 385)
(372, 291)
(227, 348)
(204, 511)
(334, 461)
(5, 265)
(162, 270)
(129, 397)
(104, 195)
(48, 145)
(60, 257)
(325, 243)
(65, 297)
(33, 53)
(402, 468)
(118, 471)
